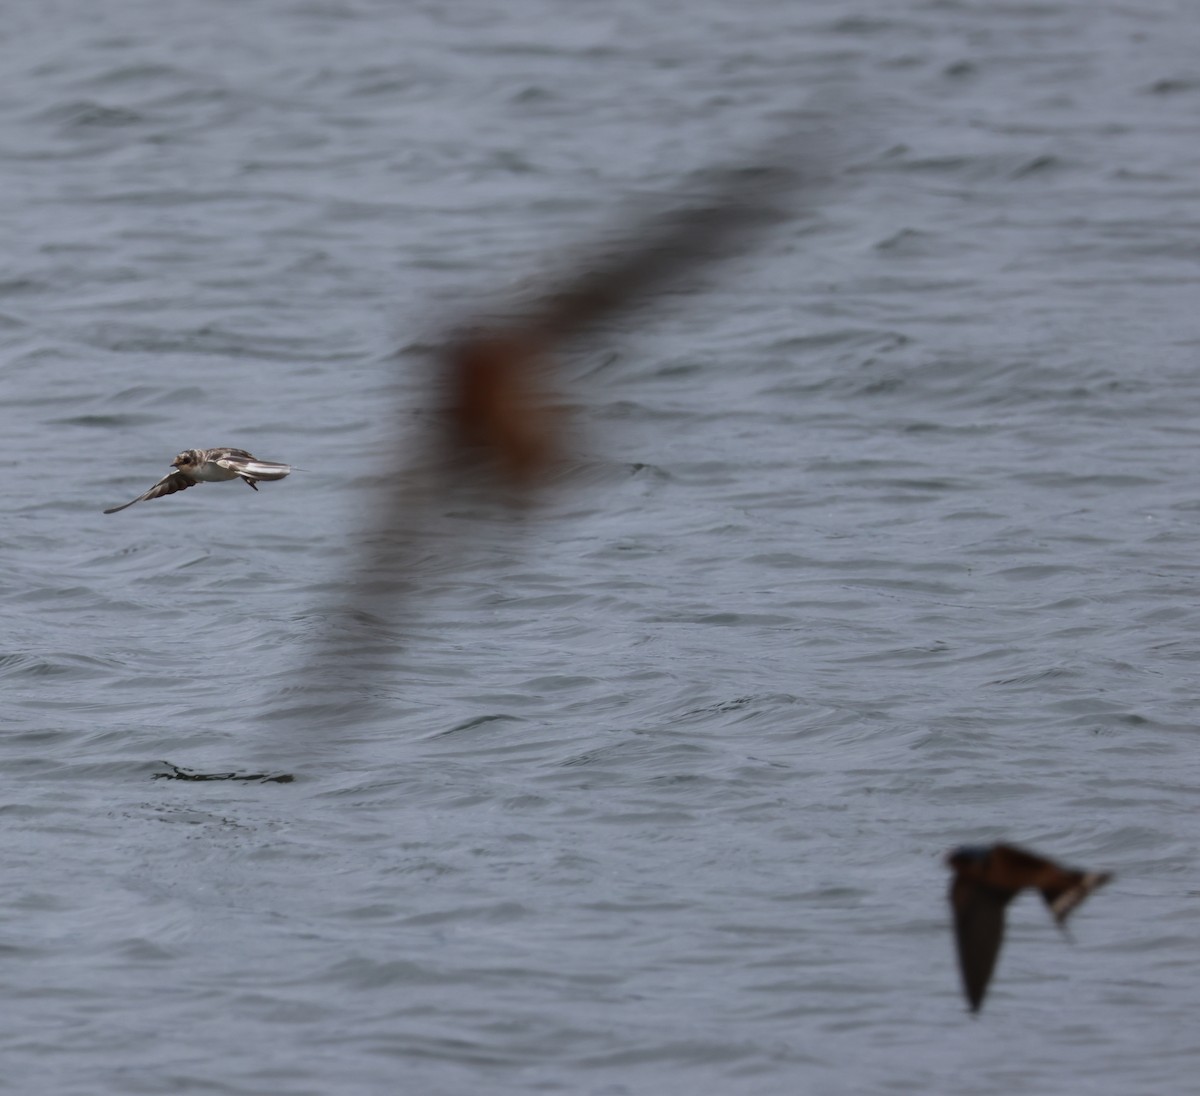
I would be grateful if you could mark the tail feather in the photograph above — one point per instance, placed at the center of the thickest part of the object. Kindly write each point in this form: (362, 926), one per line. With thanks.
(1063, 901)
(266, 469)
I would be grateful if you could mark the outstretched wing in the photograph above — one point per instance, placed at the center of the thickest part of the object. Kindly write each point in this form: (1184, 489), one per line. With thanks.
(978, 933)
(168, 485)
(251, 468)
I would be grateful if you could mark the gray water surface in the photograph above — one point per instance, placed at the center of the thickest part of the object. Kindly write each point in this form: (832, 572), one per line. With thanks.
(880, 538)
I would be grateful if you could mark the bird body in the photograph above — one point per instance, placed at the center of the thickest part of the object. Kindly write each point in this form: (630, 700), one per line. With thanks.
(194, 466)
(986, 879)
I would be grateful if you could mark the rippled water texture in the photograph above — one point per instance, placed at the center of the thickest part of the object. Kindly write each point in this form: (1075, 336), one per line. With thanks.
(878, 539)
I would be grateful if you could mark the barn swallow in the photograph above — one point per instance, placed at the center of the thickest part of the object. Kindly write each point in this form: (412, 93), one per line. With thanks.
(502, 420)
(194, 466)
(985, 880)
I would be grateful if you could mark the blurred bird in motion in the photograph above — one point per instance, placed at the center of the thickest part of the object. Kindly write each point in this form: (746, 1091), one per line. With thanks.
(194, 466)
(503, 426)
(985, 880)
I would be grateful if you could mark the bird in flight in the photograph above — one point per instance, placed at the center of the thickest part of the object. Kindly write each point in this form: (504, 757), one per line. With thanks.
(986, 879)
(194, 466)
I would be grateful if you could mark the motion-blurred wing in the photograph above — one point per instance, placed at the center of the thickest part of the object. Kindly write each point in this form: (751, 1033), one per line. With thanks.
(978, 932)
